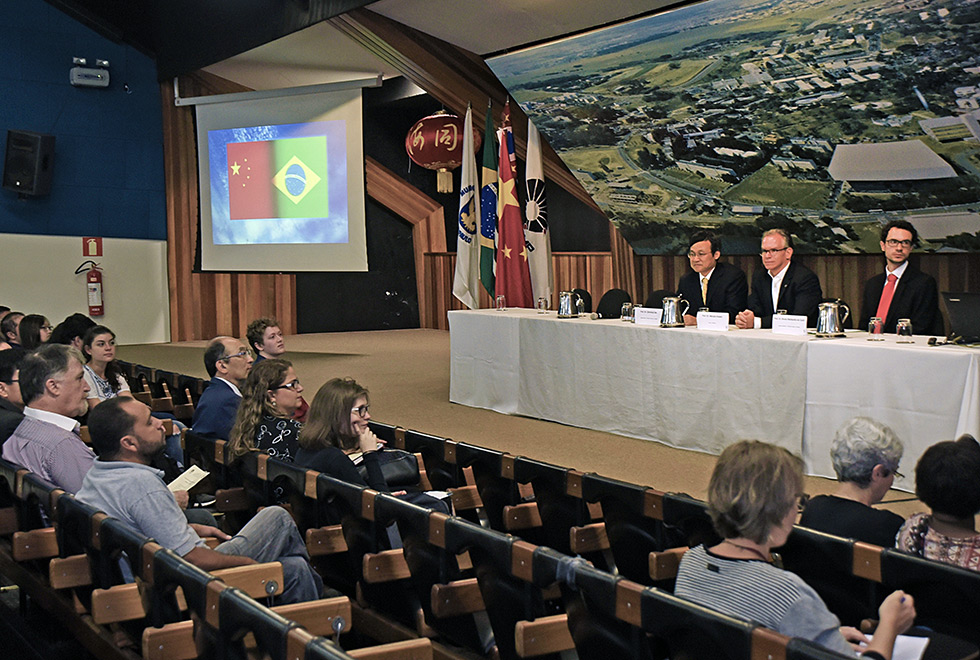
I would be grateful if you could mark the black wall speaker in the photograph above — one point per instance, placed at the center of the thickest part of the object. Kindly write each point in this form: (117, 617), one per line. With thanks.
(28, 162)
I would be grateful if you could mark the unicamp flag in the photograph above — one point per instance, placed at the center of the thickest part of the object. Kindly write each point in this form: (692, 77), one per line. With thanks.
(278, 179)
(466, 282)
(536, 219)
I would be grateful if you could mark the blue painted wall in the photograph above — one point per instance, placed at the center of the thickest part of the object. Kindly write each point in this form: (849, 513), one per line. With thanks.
(108, 165)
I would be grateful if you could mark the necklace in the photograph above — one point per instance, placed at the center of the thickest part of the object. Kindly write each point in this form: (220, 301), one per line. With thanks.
(746, 548)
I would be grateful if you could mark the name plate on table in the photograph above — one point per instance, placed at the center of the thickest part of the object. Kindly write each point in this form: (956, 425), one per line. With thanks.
(717, 321)
(788, 324)
(647, 315)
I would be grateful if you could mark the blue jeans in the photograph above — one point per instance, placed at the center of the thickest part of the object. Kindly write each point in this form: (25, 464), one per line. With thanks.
(271, 535)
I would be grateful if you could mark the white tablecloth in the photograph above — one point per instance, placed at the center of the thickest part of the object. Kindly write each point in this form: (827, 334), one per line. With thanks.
(703, 390)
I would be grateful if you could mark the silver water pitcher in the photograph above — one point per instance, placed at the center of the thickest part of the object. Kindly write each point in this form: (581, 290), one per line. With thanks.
(570, 304)
(831, 317)
(673, 316)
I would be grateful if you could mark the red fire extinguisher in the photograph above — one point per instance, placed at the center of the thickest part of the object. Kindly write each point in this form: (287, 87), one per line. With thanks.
(93, 279)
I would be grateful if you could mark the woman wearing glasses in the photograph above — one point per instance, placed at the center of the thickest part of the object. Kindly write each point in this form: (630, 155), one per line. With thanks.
(270, 398)
(753, 499)
(336, 427)
(34, 331)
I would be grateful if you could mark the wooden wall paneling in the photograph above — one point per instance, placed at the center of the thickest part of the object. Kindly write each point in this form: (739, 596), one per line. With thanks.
(428, 232)
(453, 76)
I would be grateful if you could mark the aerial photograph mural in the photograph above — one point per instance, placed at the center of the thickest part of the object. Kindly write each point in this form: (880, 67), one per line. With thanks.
(827, 117)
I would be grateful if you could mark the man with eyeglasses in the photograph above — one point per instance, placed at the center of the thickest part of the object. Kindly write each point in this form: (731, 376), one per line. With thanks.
(719, 286)
(11, 402)
(782, 285)
(902, 291)
(228, 362)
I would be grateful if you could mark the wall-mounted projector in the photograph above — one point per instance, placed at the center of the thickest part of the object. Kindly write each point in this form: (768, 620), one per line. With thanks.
(85, 77)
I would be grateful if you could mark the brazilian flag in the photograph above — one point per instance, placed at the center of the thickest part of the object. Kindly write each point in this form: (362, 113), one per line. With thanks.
(278, 179)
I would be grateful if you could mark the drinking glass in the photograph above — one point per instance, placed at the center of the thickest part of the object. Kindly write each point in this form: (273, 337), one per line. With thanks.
(542, 305)
(501, 302)
(626, 314)
(875, 326)
(904, 329)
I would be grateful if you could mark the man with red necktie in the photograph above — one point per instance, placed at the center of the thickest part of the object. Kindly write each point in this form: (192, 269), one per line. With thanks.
(902, 291)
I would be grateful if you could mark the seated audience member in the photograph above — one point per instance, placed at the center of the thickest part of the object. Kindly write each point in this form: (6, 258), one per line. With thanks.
(228, 362)
(11, 403)
(719, 286)
(946, 480)
(4, 310)
(865, 455)
(46, 442)
(10, 329)
(336, 429)
(71, 331)
(265, 338)
(122, 484)
(753, 496)
(34, 331)
(269, 398)
(782, 284)
(104, 377)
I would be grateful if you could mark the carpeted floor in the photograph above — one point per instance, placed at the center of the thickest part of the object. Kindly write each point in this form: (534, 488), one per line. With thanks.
(407, 373)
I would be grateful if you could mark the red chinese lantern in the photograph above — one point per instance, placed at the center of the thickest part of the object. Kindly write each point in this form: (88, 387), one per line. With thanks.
(436, 143)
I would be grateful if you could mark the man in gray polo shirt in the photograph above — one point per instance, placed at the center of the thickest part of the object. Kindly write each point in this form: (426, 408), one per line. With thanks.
(123, 485)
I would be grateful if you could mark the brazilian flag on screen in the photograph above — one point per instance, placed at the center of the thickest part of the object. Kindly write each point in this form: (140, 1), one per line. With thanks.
(278, 179)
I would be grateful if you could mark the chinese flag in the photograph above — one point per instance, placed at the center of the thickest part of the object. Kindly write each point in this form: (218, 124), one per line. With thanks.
(513, 277)
(283, 178)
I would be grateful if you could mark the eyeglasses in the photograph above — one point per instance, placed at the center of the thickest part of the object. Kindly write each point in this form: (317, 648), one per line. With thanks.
(894, 242)
(291, 385)
(361, 410)
(766, 253)
(244, 353)
(898, 475)
(48, 327)
(702, 255)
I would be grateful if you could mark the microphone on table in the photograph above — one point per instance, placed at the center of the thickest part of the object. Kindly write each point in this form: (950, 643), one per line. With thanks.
(594, 316)
(936, 341)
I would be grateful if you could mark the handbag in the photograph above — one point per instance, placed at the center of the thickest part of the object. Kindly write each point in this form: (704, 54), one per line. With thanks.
(399, 467)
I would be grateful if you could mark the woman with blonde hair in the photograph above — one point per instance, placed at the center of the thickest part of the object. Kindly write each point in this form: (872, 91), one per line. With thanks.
(753, 499)
(270, 397)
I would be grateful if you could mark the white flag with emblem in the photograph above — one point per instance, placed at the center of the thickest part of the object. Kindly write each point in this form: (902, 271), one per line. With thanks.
(466, 282)
(536, 220)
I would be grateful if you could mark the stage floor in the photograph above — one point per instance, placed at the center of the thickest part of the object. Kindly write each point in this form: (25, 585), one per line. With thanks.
(407, 374)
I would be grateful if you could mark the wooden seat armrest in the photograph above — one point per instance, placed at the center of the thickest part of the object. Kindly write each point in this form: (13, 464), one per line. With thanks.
(522, 516)
(325, 541)
(465, 498)
(663, 565)
(457, 598)
(35, 544)
(588, 538)
(547, 634)
(409, 649)
(385, 566)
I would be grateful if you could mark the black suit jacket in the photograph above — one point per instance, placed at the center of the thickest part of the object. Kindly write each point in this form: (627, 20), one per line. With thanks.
(799, 294)
(10, 418)
(727, 290)
(916, 298)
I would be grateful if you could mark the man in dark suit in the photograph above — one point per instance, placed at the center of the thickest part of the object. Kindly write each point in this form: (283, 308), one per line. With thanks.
(11, 403)
(783, 285)
(228, 362)
(902, 291)
(725, 285)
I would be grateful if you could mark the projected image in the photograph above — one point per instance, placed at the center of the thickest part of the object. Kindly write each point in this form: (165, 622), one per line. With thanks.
(825, 117)
(283, 183)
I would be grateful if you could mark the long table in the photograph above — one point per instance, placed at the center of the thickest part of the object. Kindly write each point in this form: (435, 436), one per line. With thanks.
(703, 390)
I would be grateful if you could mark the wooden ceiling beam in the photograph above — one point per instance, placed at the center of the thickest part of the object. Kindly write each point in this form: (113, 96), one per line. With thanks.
(455, 77)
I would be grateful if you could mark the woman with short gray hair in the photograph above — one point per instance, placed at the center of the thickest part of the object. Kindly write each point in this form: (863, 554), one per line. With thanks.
(865, 454)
